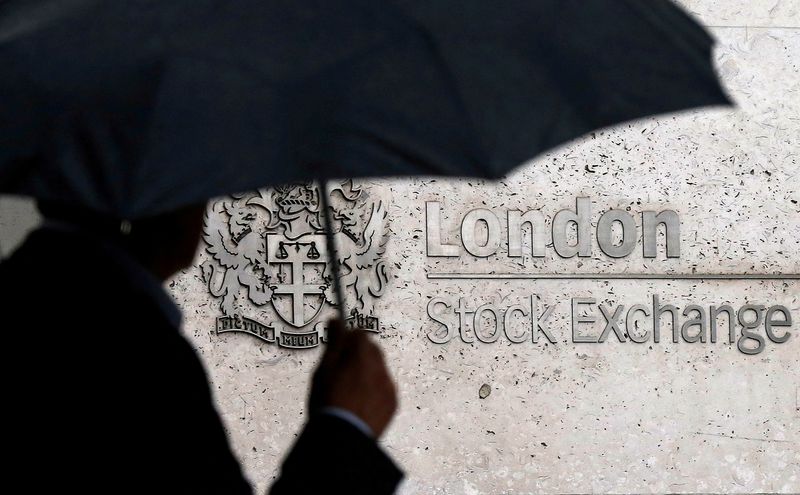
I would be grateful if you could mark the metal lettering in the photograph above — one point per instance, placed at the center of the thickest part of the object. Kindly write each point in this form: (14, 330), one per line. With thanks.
(657, 312)
(537, 323)
(672, 224)
(771, 322)
(631, 323)
(522, 337)
(516, 221)
(699, 321)
(477, 327)
(714, 313)
(611, 323)
(578, 318)
(582, 220)
(604, 231)
(433, 232)
(462, 322)
(449, 330)
(468, 226)
(750, 325)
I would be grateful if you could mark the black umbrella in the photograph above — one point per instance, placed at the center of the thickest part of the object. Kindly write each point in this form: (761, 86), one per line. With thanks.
(137, 107)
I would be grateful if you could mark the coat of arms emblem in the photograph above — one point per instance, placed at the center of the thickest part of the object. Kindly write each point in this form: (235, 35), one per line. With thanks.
(269, 267)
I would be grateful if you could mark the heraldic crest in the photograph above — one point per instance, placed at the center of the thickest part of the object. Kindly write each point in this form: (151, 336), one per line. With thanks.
(268, 262)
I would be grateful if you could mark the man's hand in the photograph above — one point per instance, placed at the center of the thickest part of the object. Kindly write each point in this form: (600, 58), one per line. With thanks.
(353, 376)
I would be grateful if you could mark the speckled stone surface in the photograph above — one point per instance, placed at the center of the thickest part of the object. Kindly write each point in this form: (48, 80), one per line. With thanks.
(570, 417)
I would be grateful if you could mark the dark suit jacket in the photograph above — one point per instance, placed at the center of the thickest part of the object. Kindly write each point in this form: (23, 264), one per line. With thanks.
(104, 395)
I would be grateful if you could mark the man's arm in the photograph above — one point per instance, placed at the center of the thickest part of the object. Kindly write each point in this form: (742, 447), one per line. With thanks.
(351, 402)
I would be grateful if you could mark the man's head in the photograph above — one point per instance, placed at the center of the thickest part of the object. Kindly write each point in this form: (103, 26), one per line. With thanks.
(164, 243)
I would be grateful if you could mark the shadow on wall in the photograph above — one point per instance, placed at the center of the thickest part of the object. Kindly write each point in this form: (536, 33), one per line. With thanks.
(18, 216)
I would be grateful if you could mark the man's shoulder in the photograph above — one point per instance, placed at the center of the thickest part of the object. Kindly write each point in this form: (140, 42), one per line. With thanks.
(69, 280)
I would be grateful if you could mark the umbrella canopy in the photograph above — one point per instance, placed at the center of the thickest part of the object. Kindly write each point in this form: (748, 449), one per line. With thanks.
(137, 107)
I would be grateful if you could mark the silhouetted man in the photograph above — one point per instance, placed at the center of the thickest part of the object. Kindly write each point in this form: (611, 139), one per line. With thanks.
(106, 396)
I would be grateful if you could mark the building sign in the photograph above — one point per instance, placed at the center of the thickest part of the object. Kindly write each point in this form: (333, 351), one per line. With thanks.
(750, 327)
(269, 268)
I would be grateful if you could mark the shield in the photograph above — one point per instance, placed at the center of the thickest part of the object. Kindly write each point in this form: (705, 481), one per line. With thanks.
(298, 267)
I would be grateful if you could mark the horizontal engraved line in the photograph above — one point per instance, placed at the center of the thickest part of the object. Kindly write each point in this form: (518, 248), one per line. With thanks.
(731, 26)
(615, 276)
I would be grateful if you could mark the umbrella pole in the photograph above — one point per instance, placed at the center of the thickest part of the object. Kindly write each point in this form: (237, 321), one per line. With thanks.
(338, 291)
